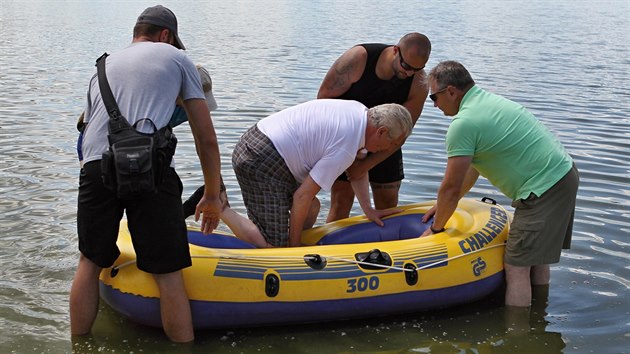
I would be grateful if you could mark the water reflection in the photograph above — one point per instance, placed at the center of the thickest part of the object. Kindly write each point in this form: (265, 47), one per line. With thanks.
(527, 328)
(481, 327)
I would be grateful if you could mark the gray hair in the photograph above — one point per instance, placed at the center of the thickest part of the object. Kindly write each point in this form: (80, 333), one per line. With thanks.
(394, 117)
(451, 73)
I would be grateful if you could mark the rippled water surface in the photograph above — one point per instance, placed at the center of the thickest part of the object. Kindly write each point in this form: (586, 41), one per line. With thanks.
(566, 60)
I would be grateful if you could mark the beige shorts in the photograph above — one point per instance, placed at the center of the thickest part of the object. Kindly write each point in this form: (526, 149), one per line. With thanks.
(543, 225)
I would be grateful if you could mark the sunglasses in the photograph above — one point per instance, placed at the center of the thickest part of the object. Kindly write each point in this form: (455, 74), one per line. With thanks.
(433, 96)
(404, 64)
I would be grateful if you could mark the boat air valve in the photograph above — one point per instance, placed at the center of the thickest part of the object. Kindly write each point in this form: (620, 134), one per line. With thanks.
(272, 285)
(374, 256)
(315, 261)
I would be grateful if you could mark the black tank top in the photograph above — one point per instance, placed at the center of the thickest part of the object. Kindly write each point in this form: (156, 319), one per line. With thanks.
(372, 91)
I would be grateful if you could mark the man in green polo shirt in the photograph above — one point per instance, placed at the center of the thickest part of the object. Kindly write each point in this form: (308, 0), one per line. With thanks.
(502, 141)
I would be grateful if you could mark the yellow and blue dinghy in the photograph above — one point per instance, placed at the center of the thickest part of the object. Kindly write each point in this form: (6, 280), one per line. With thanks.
(349, 269)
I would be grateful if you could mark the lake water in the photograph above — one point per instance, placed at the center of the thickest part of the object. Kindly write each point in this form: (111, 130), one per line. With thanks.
(566, 60)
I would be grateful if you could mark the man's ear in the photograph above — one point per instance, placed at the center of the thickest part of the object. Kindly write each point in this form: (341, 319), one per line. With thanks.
(164, 34)
(382, 130)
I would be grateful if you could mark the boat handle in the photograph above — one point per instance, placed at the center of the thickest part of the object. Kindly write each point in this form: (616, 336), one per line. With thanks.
(411, 275)
(489, 200)
(272, 285)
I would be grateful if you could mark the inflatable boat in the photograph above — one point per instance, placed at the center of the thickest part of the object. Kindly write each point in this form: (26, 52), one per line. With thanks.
(347, 269)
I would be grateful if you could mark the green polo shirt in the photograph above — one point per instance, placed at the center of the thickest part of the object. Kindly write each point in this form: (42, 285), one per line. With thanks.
(509, 146)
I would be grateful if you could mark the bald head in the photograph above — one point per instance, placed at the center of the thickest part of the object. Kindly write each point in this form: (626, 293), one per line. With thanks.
(416, 43)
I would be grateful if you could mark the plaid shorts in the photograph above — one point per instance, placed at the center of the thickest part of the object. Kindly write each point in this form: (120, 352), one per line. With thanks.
(267, 185)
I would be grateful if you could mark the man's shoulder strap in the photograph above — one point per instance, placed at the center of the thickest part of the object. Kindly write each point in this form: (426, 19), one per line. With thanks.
(116, 121)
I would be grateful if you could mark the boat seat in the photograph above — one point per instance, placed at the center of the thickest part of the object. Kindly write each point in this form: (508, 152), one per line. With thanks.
(396, 228)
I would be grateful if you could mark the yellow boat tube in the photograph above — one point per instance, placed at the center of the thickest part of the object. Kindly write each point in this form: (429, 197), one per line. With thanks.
(348, 269)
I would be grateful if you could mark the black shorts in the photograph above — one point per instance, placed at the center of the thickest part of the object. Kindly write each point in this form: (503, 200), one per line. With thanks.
(156, 223)
(388, 171)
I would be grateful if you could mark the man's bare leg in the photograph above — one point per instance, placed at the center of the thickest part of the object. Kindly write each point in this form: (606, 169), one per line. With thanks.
(540, 274)
(385, 194)
(175, 307)
(341, 200)
(519, 287)
(243, 228)
(84, 297)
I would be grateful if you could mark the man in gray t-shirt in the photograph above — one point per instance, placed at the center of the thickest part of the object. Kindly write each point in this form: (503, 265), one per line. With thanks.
(145, 78)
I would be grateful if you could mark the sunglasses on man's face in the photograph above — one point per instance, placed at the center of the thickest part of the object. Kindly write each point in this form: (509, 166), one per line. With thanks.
(404, 64)
(434, 96)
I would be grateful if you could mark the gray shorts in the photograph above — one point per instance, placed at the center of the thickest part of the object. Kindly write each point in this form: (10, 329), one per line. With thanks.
(267, 185)
(543, 225)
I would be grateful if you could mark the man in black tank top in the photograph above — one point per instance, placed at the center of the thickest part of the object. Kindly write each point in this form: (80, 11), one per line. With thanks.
(374, 74)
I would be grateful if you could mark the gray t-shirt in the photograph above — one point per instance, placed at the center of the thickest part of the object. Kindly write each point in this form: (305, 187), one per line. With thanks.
(145, 79)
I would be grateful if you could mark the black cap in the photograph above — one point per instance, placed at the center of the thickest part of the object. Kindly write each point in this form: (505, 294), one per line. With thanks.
(161, 16)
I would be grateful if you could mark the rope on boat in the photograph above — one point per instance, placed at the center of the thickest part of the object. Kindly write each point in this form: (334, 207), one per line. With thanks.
(233, 256)
(411, 270)
(293, 258)
(460, 256)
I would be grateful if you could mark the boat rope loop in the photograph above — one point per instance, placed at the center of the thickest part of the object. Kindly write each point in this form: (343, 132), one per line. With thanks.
(115, 269)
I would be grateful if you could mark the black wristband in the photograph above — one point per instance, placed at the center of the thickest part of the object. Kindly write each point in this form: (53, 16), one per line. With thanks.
(436, 231)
